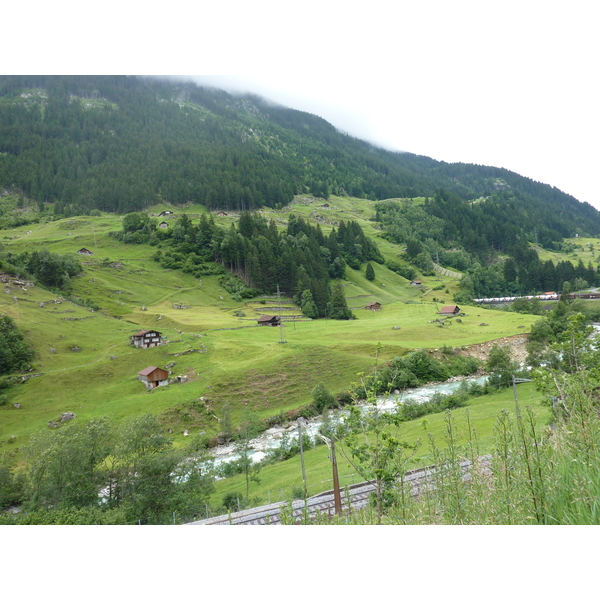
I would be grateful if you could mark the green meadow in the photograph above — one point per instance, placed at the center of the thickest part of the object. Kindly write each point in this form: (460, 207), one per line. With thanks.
(232, 359)
(586, 249)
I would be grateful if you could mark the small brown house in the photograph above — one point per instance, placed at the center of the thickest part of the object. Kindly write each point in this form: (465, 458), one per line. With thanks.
(221, 213)
(373, 306)
(449, 310)
(85, 251)
(163, 225)
(148, 338)
(269, 320)
(153, 377)
(416, 282)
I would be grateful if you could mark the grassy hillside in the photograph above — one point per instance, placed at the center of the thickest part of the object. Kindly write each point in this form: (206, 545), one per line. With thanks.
(237, 361)
(586, 249)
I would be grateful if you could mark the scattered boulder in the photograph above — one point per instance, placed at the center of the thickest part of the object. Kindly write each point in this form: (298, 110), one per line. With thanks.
(67, 416)
(52, 424)
(52, 350)
(17, 405)
(395, 327)
(483, 325)
(186, 432)
(144, 308)
(75, 349)
(112, 357)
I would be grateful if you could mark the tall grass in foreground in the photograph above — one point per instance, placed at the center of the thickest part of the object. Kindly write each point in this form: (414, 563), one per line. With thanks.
(533, 476)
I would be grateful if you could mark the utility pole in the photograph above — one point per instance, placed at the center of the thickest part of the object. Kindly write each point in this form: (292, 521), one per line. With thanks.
(281, 330)
(337, 497)
(302, 458)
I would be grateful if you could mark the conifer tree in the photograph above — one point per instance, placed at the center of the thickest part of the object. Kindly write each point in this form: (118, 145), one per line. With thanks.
(370, 273)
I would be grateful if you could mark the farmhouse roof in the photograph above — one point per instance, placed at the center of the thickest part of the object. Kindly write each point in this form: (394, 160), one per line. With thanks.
(145, 372)
(449, 309)
(144, 332)
(267, 318)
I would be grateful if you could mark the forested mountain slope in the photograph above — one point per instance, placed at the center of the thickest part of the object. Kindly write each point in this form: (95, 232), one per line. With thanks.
(124, 143)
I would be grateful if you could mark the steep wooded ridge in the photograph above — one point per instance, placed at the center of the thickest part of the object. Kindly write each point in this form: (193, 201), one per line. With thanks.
(121, 144)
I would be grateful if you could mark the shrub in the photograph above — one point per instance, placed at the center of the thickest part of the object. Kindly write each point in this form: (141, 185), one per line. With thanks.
(323, 398)
(233, 501)
(15, 352)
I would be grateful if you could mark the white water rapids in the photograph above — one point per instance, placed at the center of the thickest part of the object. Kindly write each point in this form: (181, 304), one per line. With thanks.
(272, 437)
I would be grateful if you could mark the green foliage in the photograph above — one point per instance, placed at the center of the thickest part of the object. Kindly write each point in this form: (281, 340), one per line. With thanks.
(339, 306)
(233, 501)
(370, 272)
(142, 477)
(15, 352)
(501, 366)
(375, 449)
(405, 271)
(323, 398)
(69, 516)
(46, 268)
(414, 369)
(11, 487)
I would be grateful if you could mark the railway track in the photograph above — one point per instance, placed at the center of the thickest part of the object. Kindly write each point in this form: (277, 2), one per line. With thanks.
(354, 497)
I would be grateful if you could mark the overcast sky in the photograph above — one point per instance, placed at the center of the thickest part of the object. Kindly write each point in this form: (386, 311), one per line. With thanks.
(511, 84)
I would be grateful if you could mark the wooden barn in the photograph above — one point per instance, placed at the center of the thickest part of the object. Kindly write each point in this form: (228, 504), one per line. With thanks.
(221, 213)
(373, 306)
(163, 225)
(164, 213)
(269, 320)
(416, 282)
(153, 377)
(449, 310)
(148, 338)
(85, 251)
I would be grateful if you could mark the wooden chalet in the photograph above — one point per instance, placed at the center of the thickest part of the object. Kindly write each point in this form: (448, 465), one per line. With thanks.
(148, 338)
(163, 225)
(164, 213)
(85, 251)
(373, 306)
(153, 377)
(269, 320)
(449, 310)
(221, 213)
(416, 282)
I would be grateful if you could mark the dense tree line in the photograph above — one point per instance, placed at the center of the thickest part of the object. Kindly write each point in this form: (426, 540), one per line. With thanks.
(489, 240)
(301, 260)
(47, 268)
(124, 143)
